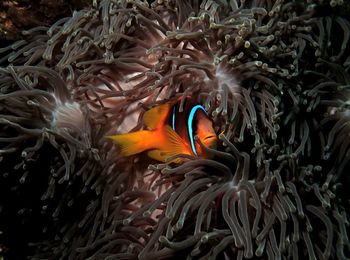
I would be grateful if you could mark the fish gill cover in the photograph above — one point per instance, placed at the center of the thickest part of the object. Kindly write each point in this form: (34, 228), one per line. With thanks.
(274, 76)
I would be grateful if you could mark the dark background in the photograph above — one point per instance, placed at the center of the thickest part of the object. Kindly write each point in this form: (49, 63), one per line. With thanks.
(19, 15)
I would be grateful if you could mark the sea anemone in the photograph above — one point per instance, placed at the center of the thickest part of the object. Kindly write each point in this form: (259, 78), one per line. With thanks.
(275, 82)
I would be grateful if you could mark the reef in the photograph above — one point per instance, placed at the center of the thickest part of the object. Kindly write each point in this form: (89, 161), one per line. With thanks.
(274, 76)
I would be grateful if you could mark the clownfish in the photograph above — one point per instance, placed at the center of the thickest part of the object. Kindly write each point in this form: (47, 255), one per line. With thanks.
(170, 132)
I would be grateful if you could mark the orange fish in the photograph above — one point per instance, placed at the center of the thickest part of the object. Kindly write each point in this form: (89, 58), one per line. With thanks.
(170, 132)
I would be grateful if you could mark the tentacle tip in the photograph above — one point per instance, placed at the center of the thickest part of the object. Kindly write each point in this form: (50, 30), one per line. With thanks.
(163, 239)
(126, 221)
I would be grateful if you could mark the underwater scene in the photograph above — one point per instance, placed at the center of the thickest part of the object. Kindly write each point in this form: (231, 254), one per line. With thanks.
(167, 129)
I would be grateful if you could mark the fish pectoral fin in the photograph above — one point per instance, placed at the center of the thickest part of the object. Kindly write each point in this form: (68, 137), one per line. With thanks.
(155, 117)
(176, 145)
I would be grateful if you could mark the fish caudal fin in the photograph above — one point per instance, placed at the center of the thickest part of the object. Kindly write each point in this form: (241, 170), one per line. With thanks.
(134, 143)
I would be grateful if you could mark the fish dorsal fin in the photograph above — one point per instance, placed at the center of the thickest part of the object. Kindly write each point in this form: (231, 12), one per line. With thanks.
(156, 116)
(176, 144)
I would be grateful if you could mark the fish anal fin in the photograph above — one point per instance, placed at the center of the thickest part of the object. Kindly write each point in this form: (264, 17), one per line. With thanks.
(155, 117)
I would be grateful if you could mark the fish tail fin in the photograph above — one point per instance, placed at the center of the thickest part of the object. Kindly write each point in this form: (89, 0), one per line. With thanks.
(133, 143)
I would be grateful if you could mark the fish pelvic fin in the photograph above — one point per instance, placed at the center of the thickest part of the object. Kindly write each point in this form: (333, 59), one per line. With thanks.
(157, 155)
(161, 156)
(134, 143)
(156, 116)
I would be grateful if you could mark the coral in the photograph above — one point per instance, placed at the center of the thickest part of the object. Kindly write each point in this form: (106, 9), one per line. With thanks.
(275, 81)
